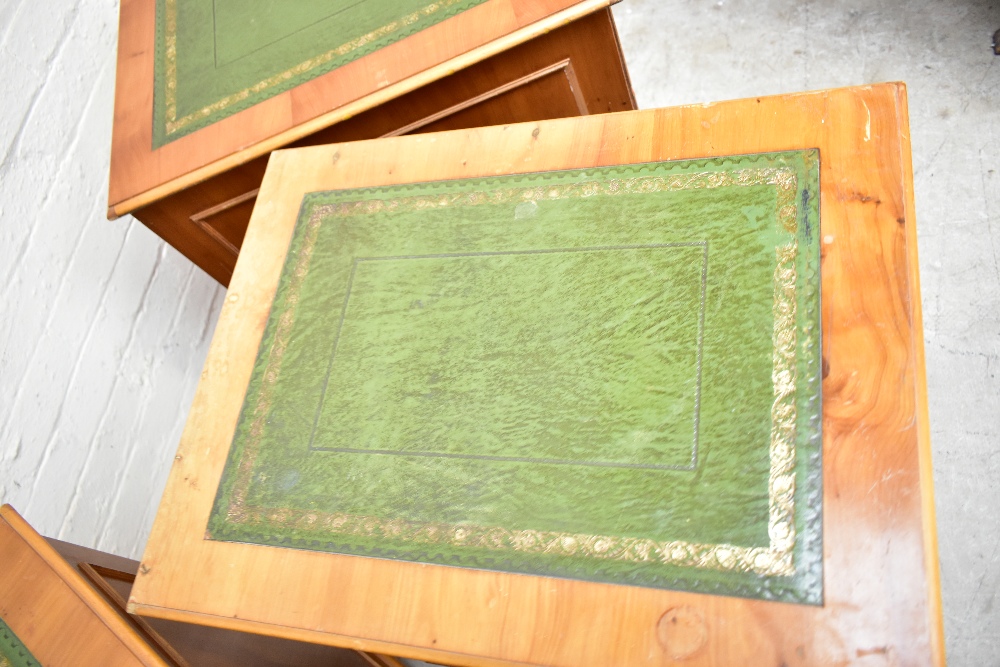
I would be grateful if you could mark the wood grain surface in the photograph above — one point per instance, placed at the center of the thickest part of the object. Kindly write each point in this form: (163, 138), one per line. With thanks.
(140, 175)
(575, 69)
(55, 613)
(882, 593)
(44, 581)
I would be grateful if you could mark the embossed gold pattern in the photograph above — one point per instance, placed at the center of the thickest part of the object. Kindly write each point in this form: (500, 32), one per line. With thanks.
(12, 649)
(275, 355)
(776, 559)
(174, 124)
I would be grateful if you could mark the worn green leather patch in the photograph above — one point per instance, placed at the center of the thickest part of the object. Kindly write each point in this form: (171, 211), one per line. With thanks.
(217, 57)
(608, 374)
(13, 652)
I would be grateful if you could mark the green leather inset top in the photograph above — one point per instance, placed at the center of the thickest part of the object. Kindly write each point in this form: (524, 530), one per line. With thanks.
(13, 652)
(610, 374)
(217, 57)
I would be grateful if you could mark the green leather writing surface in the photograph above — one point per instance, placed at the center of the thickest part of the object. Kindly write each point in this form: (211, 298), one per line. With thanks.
(610, 374)
(403, 311)
(217, 57)
(13, 652)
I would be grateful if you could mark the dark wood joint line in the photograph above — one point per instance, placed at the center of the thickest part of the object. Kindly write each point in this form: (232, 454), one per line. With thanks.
(201, 219)
(563, 65)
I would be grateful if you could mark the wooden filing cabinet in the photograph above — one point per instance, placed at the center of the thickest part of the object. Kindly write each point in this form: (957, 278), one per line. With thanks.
(345, 480)
(497, 62)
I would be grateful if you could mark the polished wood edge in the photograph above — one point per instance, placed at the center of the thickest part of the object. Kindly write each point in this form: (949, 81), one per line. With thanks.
(563, 65)
(574, 85)
(201, 219)
(76, 583)
(548, 24)
(118, 97)
(932, 562)
(96, 575)
(379, 660)
(217, 237)
(224, 206)
(621, 57)
(360, 644)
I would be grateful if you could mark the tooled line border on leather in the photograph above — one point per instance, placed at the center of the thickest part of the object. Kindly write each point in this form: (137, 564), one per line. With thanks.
(699, 339)
(173, 124)
(775, 559)
(12, 648)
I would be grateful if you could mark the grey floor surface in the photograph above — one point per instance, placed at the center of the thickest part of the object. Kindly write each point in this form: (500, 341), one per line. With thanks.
(692, 51)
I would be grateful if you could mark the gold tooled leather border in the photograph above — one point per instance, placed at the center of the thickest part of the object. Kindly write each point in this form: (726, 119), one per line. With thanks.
(174, 124)
(775, 559)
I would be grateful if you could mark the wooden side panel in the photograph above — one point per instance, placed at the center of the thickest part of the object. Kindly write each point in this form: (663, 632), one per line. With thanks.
(934, 608)
(881, 601)
(74, 554)
(557, 85)
(54, 612)
(575, 70)
(176, 219)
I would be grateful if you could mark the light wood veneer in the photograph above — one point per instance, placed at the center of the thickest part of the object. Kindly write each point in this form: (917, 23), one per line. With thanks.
(882, 594)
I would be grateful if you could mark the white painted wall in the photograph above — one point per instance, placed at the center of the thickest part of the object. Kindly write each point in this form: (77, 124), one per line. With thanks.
(104, 328)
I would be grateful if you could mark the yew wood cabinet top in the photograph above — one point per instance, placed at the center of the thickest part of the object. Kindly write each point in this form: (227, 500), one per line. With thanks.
(643, 388)
(203, 87)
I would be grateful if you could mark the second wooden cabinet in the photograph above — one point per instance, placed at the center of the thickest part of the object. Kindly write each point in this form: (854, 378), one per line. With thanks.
(572, 70)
